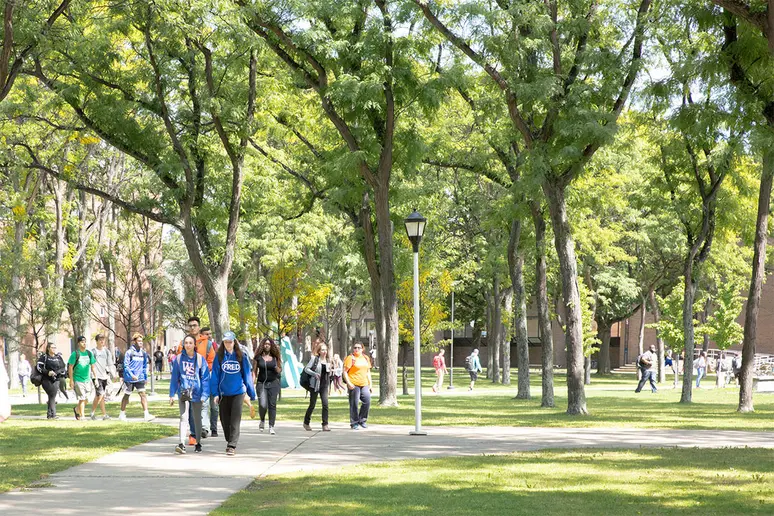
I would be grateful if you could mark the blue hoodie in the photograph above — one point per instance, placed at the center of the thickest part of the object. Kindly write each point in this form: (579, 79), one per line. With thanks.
(231, 378)
(135, 363)
(190, 373)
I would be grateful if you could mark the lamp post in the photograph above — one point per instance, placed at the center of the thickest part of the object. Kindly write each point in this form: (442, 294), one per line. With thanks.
(415, 228)
(451, 354)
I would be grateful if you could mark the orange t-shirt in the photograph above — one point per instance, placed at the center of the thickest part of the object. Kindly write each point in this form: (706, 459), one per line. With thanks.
(357, 370)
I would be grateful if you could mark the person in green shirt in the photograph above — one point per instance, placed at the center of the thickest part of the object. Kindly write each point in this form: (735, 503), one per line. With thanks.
(79, 367)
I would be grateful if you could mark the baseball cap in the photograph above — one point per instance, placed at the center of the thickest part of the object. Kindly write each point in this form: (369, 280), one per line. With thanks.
(229, 335)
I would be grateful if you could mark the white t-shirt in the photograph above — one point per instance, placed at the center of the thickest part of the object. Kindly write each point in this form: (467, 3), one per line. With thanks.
(103, 365)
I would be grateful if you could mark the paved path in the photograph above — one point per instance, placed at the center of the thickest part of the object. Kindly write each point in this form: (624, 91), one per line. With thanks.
(151, 479)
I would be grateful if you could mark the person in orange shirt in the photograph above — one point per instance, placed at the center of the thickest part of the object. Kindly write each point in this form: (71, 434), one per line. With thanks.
(357, 375)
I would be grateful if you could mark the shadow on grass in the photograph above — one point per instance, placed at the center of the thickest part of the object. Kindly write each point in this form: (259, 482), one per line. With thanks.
(660, 481)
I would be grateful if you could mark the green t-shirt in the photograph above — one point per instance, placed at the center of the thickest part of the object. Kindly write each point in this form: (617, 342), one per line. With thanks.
(83, 367)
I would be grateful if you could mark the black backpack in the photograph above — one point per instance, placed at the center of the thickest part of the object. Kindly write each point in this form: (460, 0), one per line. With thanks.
(120, 364)
(306, 377)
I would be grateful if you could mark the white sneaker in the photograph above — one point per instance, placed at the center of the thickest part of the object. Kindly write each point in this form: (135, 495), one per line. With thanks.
(105, 417)
(271, 431)
(93, 417)
(122, 416)
(149, 417)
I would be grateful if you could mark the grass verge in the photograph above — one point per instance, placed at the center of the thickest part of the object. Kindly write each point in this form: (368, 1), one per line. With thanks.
(579, 482)
(31, 450)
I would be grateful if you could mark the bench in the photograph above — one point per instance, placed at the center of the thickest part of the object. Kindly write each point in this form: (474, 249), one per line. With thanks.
(763, 384)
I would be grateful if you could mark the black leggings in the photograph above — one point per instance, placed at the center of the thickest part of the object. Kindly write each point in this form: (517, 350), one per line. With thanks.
(267, 399)
(323, 394)
(51, 388)
(231, 418)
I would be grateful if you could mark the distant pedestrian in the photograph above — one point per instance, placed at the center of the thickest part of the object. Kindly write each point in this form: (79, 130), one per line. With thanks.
(701, 368)
(318, 369)
(80, 367)
(25, 370)
(645, 362)
(136, 365)
(5, 399)
(721, 370)
(52, 366)
(190, 380)
(104, 369)
(229, 382)
(158, 362)
(473, 364)
(268, 371)
(336, 382)
(736, 368)
(357, 375)
(439, 364)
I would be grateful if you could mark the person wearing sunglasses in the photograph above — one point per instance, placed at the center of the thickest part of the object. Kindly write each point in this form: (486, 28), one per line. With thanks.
(357, 375)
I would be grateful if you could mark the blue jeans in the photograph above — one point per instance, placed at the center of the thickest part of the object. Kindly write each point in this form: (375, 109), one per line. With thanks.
(363, 395)
(647, 374)
(701, 372)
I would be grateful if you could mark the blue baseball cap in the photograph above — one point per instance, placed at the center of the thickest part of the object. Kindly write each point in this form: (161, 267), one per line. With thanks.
(229, 335)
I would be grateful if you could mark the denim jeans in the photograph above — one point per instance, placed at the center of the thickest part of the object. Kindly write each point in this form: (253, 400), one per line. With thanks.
(647, 374)
(701, 372)
(363, 395)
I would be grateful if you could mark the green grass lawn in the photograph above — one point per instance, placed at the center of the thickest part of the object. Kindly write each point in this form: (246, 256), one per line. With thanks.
(611, 401)
(652, 481)
(30, 450)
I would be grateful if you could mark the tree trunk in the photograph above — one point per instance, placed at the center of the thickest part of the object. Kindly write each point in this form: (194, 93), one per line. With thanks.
(756, 284)
(587, 370)
(603, 334)
(505, 329)
(704, 318)
(516, 267)
(641, 328)
(544, 314)
(344, 329)
(689, 293)
(489, 334)
(388, 359)
(497, 321)
(568, 269)
(659, 341)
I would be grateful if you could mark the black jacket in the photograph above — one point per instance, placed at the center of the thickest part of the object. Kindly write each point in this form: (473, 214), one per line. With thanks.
(48, 363)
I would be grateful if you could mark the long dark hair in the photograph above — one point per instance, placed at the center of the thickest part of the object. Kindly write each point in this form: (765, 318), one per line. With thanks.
(48, 347)
(274, 351)
(237, 350)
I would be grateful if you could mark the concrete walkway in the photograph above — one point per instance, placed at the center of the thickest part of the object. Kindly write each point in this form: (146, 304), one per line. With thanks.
(151, 479)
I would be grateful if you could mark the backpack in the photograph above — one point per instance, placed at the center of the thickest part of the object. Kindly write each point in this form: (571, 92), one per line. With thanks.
(36, 377)
(119, 363)
(306, 377)
(436, 362)
(469, 363)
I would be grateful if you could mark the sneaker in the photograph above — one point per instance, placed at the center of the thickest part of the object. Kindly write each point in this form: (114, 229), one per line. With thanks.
(355, 427)
(307, 427)
(230, 451)
(105, 417)
(75, 411)
(149, 417)
(205, 434)
(434, 389)
(260, 426)
(363, 426)
(271, 431)
(180, 449)
(198, 448)
(55, 417)
(191, 440)
(214, 433)
(93, 417)
(122, 416)
(326, 428)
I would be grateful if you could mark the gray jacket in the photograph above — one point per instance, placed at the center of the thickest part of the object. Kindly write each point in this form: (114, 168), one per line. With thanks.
(314, 381)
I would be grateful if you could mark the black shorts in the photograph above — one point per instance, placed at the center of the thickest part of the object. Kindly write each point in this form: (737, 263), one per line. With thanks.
(473, 375)
(159, 366)
(129, 387)
(101, 386)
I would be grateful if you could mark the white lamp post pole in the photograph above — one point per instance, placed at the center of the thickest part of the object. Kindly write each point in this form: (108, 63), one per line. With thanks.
(451, 354)
(415, 227)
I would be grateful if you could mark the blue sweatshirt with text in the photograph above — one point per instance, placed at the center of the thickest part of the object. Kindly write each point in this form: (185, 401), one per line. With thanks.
(135, 363)
(190, 373)
(231, 377)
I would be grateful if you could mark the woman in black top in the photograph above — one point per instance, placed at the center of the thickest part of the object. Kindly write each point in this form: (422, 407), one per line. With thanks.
(268, 369)
(51, 365)
(319, 370)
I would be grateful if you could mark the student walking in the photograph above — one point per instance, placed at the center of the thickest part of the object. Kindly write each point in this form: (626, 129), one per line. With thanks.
(229, 382)
(158, 362)
(439, 363)
(474, 367)
(268, 367)
(357, 375)
(79, 369)
(136, 362)
(25, 370)
(646, 361)
(103, 370)
(701, 368)
(52, 366)
(337, 366)
(318, 369)
(190, 380)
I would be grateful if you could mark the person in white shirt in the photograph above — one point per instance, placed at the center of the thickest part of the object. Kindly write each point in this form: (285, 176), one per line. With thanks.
(25, 370)
(701, 368)
(104, 369)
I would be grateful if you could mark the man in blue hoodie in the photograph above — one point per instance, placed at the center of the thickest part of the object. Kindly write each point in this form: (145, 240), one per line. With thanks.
(136, 362)
(191, 379)
(230, 380)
